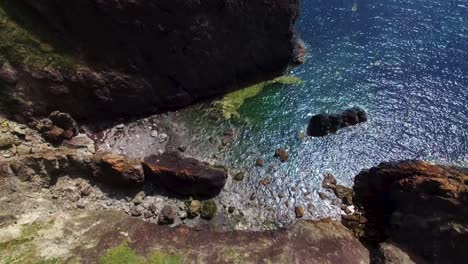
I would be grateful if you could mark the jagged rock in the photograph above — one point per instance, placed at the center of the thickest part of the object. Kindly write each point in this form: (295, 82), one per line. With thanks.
(167, 216)
(194, 208)
(282, 154)
(239, 176)
(54, 135)
(329, 181)
(299, 211)
(344, 193)
(65, 122)
(117, 169)
(259, 162)
(208, 210)
(185, 176)
(389, 253)
(6, 141)
(139, 198)
(323, 124)
(415, 204)
(44, 125)
(266, 181)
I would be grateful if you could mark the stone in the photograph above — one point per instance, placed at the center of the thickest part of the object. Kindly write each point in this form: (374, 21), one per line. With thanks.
(329, 181)
(44, 125)
(86, 189)
(80, 141)
(299, 211)
(239, 176)
(185, 176)
(54, 135)
(227, 140)
(6, 141)
(139, 198)
(266, 181)
(344, 193)
(281, 195)
(229, 132)
(194, 208)
(116, 169)
(182, 148)
(323, 195)
(8, 74)
(231, 209)
(167, 216)
(137, 210)
(389, 253)
(65, 122)
(68, 134)
(209, 209)
(259, 162)
(81, 204)
(147, 214)
(323, 124)
(282, 154)
(154, 133)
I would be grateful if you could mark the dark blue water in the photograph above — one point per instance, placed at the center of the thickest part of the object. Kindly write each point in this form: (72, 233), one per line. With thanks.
(404, 61)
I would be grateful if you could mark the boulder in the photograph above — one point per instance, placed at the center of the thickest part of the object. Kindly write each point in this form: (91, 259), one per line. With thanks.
(209, 209)
(65, 121)
(282, 154)
(323, 124)
(116, 169)
(184, 176)
(167, 216)
(419, 206)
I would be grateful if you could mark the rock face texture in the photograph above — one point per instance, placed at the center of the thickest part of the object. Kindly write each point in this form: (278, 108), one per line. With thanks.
(126, 57)
(184, 176)
(419, 206)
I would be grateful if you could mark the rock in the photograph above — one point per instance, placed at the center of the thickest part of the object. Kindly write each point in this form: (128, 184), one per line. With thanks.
(81, 204)
(266, 181)
(86, 189)
(44, 125)
(80, 141)
(323, 124)
(227, 140)
(230, 132)
(259, 162)
(137, 210)
(323, 196)
(117, 169)
(167, 216)
(344, 193)
(194, 208)
(239, 176)
(299, 211)
(209, 209)
(414, 204)
(282, 154)
(68, 134)
(281, 195)
(65, 122)
(185, 176)
(8, 74)
(329, 181)
(6, 141)
(231, 209)
(154, 133)
(23, 172)
(54, 135)
(147, 214)
(182, 148)
(389, 253)
(139, 198)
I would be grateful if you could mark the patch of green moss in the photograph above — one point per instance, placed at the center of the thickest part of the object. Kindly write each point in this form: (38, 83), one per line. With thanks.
(22, 249)
(123, 254)
(26, 39)
(230, 103)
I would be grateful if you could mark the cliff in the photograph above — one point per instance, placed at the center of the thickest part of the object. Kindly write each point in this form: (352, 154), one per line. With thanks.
(96, 58)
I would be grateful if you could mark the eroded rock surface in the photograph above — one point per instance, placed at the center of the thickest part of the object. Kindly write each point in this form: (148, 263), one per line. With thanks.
(420, 206)
(185, 176)
(323, 124)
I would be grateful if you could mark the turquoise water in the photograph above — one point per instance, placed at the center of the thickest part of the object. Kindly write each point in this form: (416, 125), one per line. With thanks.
(404, 61)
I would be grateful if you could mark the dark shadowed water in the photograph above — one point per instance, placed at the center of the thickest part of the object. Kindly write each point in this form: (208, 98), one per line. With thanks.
(404, 61)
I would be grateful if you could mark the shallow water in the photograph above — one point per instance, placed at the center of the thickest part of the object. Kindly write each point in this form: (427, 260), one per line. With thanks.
(404, 61)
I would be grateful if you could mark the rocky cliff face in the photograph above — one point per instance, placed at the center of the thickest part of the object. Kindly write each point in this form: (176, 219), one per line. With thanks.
(94, 58)
(419, 206)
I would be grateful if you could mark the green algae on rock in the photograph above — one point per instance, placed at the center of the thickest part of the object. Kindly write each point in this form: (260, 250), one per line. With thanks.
(230, 103)
(27, 41)
(123, 254)
(208, 210)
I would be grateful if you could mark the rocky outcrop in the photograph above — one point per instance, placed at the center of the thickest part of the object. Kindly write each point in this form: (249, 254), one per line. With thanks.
(323, 124)
(184, 176)
(422, 207)
(98, 58)
(116, 169)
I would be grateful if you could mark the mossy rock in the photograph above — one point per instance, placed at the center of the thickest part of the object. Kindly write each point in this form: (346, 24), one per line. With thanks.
(209, 209)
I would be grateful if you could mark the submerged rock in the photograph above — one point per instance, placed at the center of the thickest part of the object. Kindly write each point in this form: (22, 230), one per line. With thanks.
(323, 124)
(185, 176)
(299, 211)
(259, 162)
(282, 154)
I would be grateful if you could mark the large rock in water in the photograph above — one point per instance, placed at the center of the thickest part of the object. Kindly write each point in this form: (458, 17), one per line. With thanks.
(323, 124)
(123, 57)
(420, 206)
(184, 176)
